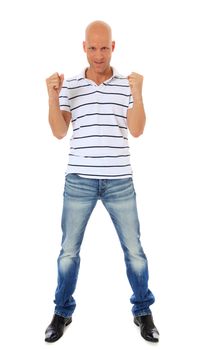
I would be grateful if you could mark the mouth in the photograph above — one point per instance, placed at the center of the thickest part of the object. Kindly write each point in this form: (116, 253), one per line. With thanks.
(99, 63)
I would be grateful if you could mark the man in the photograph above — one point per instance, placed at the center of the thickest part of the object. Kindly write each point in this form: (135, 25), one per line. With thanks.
(102, 105)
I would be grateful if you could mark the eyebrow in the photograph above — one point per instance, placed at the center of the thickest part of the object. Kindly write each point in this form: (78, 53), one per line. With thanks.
(94, 47)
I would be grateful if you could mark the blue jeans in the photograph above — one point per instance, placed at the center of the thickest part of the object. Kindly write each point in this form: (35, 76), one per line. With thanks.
(119, 198)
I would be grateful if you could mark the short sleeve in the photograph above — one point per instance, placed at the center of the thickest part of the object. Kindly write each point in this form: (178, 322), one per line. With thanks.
(63, 98)
(130, 102)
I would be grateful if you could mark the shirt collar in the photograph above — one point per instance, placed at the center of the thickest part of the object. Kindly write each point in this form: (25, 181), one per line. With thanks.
(115, 75)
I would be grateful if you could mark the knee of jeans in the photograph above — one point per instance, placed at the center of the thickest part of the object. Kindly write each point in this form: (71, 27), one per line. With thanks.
(139, 265)
(67, 259)
(68, 252)
(137, 260)
(70, 246)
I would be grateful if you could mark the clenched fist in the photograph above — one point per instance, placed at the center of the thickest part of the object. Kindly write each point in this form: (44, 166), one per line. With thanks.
(54, 84)
(136, 81)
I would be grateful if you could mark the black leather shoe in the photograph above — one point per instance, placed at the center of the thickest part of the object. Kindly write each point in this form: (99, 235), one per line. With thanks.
(147, 328)
(56, 328)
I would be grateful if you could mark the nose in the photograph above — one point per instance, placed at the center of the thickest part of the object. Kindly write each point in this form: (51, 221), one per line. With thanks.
(98, 55)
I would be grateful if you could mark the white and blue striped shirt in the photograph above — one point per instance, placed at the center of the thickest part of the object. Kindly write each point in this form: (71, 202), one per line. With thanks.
(99, 143)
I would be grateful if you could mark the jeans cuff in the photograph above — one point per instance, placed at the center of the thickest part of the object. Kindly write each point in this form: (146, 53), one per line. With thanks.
(142, 313)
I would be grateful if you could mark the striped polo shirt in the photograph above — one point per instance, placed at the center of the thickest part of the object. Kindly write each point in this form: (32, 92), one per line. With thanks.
(99, 143)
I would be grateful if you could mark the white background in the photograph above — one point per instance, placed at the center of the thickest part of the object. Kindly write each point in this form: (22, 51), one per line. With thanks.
(161, 40)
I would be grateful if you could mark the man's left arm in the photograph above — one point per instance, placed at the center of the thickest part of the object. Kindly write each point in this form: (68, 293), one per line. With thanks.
(136, 118)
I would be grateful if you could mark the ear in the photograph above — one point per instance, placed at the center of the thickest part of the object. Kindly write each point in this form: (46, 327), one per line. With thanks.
(113, 45)
(84, 46)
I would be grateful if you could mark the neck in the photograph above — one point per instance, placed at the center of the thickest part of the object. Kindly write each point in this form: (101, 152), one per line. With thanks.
(98, 78)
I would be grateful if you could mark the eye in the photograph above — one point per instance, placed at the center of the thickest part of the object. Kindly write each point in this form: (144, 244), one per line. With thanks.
(91, 48)
(105, 48)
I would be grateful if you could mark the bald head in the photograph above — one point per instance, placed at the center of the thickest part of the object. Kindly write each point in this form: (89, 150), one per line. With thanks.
(98, 28)
(98, 46)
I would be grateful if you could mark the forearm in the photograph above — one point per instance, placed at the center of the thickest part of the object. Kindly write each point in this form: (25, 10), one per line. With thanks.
(57, 123)
(136, 118)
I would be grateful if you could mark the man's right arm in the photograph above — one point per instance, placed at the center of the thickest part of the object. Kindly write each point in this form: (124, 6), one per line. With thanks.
(59, 120)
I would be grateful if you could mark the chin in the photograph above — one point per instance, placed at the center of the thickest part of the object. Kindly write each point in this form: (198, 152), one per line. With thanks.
(100, 69)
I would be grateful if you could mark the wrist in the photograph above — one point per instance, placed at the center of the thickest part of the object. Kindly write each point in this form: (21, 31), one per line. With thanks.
(137, 94)
(137, 98)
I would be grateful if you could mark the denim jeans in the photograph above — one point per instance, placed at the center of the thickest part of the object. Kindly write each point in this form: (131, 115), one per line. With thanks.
(119, 198)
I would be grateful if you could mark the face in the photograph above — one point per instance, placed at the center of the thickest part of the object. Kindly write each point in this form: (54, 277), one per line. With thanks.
(99, 47)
